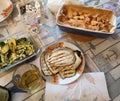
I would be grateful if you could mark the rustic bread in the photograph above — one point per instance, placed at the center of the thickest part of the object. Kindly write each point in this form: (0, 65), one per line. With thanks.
(44, 67)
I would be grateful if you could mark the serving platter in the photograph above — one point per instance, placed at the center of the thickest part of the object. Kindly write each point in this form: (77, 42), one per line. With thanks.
(6, 9)
(56, 78)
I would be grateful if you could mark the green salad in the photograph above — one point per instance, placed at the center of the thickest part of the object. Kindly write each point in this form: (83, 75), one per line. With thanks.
(13, 50)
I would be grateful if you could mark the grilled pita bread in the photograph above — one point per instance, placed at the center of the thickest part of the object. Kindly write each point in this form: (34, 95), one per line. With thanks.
(64, 61)
(44, 67)
(77, 62)
(59, 58)
(62, 57)
(67, 72)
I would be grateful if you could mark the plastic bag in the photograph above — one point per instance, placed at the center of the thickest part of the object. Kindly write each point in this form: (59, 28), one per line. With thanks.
(54, 5)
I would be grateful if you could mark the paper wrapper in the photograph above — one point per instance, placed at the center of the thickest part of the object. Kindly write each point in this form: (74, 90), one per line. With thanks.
(89, 87)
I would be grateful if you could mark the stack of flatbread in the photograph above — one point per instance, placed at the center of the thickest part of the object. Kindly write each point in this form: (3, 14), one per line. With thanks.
(64, 61)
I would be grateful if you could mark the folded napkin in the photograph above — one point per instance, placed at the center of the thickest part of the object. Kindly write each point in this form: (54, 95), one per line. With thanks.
(89, 87)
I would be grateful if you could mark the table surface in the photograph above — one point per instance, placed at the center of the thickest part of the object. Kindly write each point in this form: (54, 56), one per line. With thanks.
(102, 54)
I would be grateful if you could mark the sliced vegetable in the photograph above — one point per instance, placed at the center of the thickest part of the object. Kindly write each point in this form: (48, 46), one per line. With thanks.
(21, 41)
(13, 57)
(12, 44)
(1, 64)
(13, 50)
(2, 44)
(9, 54)
(0, 59)
(5, 49)
(30, 50)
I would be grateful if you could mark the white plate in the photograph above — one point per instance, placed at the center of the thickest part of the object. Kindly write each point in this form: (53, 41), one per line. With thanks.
(56, 79)
(6, 7)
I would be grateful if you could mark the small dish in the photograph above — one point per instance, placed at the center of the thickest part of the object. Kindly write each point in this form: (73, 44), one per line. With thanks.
(86, 20)
(57, 78)
(6, 8)
(14, 53)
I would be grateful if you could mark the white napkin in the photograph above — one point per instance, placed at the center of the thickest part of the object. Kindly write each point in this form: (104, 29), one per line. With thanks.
(54, 5)
(89, 87)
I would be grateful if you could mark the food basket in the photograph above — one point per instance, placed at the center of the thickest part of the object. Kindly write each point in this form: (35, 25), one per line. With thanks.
(86, 20)
(17, 48)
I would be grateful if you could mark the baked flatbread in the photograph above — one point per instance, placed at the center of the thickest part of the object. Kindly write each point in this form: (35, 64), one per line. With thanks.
(62, 57)
(59, 58)
(77, 62)
(67, 72)
(44, 67)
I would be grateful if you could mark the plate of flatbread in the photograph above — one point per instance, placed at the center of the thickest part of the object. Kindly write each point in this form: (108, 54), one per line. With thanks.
(62, 63)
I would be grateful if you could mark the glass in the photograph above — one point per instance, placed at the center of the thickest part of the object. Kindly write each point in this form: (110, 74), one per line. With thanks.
(31, 14)
(28, 78)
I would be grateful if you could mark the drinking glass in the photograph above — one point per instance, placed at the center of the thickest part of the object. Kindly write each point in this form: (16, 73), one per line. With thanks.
(28, 78)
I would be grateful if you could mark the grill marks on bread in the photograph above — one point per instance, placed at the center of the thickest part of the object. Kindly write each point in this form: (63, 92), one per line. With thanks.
(64, 61)
(67, 72)
(45, 68)
(62, 57)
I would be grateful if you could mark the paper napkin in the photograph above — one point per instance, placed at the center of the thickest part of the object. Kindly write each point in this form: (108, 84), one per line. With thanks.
(89, 87)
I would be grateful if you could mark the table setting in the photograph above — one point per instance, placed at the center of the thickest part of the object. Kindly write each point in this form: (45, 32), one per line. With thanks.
(60, 51)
